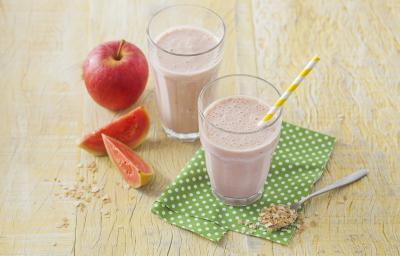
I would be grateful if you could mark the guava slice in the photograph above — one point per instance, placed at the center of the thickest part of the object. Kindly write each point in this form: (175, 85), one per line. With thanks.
(132, 167)
(130, 129)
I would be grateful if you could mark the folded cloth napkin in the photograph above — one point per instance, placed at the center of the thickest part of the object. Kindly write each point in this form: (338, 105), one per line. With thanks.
(297, 164)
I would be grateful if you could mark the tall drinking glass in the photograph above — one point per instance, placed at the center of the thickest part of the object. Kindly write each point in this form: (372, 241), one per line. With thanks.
(185, 44)
(238, 152)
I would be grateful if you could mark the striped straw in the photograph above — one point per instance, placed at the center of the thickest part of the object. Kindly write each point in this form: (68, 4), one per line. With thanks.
(289, 91)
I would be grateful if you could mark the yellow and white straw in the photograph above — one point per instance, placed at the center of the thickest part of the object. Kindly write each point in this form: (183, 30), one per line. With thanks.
(289, 91)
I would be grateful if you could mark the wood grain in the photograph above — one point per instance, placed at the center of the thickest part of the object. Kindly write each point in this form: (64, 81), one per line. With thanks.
(353, 94)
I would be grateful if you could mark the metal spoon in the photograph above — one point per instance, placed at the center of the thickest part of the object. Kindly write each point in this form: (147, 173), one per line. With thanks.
(340, 183)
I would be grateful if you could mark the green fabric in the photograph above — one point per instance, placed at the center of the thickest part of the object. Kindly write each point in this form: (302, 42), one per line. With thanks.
(297, 164)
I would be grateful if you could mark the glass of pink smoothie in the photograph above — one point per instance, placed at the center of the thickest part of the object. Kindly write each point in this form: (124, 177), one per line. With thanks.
(185, 44)
(238, 152)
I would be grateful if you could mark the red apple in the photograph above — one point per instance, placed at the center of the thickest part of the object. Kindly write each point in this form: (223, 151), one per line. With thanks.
(115, 74)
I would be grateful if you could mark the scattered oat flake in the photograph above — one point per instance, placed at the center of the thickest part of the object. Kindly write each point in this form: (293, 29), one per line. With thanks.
(92, 167)
(340, 117)
(80, 165)
(252, 226)
(82, 207)
(106, 199)
(64, 224)
(106, 212)
(300, 223)
(95, 189)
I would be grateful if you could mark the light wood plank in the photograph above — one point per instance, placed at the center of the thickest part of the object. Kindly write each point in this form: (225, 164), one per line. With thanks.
(352, 94)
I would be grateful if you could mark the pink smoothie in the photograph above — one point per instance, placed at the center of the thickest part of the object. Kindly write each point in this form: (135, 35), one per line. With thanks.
(179, 79)
(238, 152)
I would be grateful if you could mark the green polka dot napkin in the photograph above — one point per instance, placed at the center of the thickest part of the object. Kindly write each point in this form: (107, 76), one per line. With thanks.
(297, 164)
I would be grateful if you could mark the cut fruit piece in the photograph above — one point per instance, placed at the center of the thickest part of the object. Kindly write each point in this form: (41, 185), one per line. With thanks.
(130, 129)
(133, 168)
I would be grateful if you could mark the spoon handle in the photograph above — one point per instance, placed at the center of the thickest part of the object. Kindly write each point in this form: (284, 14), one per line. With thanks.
(340, 183)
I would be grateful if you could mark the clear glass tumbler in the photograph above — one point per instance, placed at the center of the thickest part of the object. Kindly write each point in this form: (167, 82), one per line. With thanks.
(238, 153)
(185, 44)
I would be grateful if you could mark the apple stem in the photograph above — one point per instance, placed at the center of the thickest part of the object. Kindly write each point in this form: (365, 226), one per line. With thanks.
(118, 57)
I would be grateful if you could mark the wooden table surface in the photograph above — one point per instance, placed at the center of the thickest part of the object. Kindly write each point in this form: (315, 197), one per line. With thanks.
(353, 94)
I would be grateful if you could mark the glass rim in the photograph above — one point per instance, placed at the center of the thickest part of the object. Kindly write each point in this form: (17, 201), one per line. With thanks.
(211, 83)
(220, 41)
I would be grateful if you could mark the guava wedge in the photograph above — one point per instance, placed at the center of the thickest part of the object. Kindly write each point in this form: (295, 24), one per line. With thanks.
(133, 168)
(131, 129)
